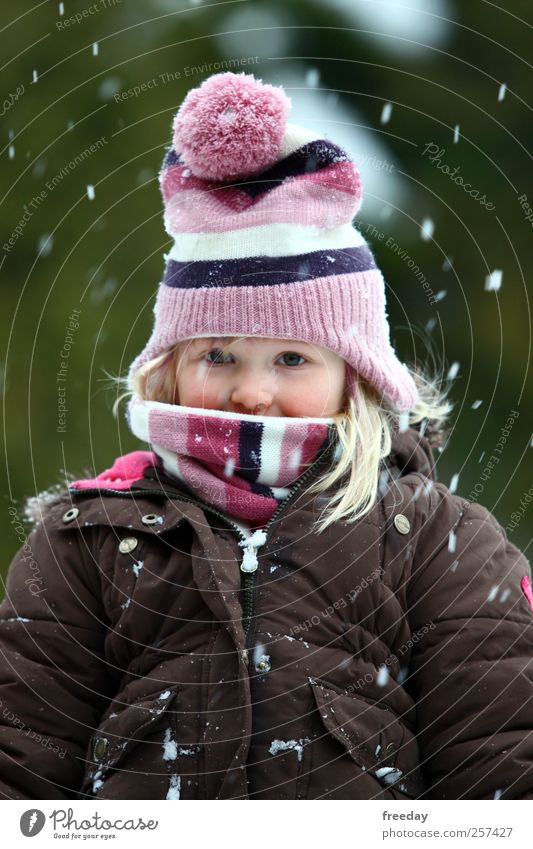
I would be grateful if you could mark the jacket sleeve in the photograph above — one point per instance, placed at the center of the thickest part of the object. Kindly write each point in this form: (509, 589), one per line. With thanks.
(471, 669)
(54, 682)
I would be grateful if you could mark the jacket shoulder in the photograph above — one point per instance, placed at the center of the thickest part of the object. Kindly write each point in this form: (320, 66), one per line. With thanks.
(120, 476)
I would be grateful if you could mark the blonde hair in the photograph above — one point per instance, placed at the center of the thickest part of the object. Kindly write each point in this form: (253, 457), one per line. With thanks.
(365, 427)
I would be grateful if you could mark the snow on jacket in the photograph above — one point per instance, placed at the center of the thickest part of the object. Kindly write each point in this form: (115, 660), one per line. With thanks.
(389, 658)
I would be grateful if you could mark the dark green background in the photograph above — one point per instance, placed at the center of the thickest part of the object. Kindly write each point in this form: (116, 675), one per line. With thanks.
(107, 254)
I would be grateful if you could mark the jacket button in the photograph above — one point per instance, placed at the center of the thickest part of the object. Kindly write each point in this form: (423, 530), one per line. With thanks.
(263, 664)
(390, 750)
(151, 519)
(100, 748)
(127, 544)
(402, 523)
(70, 514)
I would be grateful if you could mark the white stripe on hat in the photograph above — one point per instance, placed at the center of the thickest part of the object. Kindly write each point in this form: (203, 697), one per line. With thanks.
(266, 240)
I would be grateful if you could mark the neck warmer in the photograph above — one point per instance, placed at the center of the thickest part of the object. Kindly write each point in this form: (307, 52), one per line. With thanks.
(244, 465)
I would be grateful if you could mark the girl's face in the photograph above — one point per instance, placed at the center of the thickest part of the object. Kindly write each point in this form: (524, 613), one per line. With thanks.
(261, 376)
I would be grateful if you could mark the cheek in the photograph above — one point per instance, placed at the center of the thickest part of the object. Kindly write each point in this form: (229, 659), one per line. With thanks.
(196, 388)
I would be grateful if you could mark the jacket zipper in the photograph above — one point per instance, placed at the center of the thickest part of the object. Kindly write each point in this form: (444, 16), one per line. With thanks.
(249, 577)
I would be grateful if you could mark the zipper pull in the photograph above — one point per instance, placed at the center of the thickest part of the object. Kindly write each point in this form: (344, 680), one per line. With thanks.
(249, 561)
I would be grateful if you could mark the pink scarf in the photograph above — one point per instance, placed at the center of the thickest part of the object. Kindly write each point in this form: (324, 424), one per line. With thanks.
(244, 465)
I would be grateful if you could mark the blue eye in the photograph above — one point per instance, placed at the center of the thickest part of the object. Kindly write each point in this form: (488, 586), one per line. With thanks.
(219, 353)
(219, 357)
(292, 354)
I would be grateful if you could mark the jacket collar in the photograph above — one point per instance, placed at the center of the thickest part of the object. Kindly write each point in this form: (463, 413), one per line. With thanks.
(410, 452)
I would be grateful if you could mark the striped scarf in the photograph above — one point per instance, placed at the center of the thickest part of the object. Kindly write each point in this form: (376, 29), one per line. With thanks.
(244, 465)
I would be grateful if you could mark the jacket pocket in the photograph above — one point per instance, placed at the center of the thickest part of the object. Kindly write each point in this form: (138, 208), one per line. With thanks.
(119, 733)
(373, 736)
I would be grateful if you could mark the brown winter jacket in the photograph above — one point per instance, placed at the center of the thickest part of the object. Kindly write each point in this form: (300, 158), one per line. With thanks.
(389, 658)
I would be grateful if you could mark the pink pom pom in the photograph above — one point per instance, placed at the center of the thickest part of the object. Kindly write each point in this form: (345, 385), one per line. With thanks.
(231, 126)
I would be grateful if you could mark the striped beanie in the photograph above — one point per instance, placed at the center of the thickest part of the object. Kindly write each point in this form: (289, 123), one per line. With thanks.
(260, 211)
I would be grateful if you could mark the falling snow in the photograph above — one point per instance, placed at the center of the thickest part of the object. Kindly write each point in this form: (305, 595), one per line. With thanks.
(493, 281)
(383, 676)
(295, 458)
(476, 404)
(259, 652)
(403, 421)
(137, 567)
(493, 592)
(90, 192)
(402, 675)
(453, 371)
(456, 134)
(45, 244)
(61, 8)
(452, 539)
(505, 595)
(447, 264)
(95, 48)
(501, 91)
(11, 151)
(453, 483)
(312, 77)
(229, 467)
(35, 77)
(427, 228)
(441, 294)
(386, 112)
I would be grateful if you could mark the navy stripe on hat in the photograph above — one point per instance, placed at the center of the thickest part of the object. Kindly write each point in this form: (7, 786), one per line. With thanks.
(307, 159)
(267, 270)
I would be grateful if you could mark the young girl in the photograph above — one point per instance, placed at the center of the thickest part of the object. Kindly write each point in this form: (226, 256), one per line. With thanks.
(277, 600)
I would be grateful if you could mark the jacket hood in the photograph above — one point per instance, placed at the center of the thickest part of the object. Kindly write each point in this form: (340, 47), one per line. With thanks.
(411, 452)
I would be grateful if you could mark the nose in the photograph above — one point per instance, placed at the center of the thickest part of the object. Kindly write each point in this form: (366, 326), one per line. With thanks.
(252, 393)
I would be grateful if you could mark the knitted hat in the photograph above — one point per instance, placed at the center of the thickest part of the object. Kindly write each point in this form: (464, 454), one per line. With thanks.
(261, 212)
